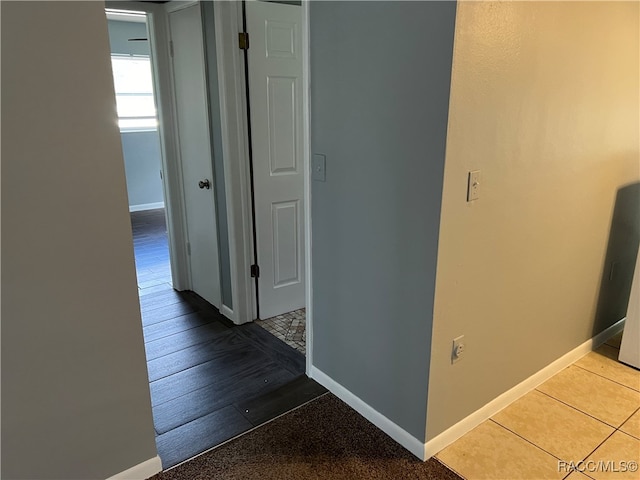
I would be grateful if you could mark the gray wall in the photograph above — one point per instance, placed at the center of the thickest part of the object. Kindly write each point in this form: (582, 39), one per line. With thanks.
(380, 76)
(141, 150)
(75, 394)
(142, 164)
(120, 33)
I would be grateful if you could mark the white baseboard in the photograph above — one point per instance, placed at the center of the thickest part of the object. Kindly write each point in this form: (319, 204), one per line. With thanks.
(227, 312)
(453, 433)
(142, 471)
(424, 451)
(145, 206)
(400, 435)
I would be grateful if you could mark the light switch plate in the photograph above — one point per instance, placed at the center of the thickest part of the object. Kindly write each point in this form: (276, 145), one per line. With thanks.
(319, 167)
(473, 187)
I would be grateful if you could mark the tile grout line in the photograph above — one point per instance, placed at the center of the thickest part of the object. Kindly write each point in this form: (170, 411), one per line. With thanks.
(627, 419)
(575, 408)
(607, 378)
(599, 445)
(555, 456)
(526, 440)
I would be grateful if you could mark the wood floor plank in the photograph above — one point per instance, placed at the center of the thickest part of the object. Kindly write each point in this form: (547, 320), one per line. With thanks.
(248, 382)
(151, 275)
(234, 358)
(287, 356)
(161, 314)
(142, 292)
(299, 391)
(199, 435)
(178, 324)
(200, 364)
(162, 299)
(152, 283)
(180, 347)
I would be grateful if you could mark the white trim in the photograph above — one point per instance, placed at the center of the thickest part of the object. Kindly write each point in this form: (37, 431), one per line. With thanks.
(141, 471)
(175, 5)
(126, 16)
(235, 148)
(227, 312)
(425, 451)
(126, 130)
(306, 148)
(172, 134)
(400, 435)
(145, 206)
(494, 406)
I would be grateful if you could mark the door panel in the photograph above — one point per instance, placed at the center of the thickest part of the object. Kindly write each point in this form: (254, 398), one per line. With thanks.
(282, 125)
(285, 240)
(275, 97)
(195, 150)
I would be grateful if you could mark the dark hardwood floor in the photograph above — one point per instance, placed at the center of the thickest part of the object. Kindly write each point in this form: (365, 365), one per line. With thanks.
(210, 380)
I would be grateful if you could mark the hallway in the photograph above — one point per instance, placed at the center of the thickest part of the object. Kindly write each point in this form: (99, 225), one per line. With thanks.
(210, 380)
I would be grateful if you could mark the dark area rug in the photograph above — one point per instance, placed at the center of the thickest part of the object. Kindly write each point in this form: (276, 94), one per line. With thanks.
(322, 439)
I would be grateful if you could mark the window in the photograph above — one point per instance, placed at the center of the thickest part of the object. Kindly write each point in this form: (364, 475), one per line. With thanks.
(134, 92)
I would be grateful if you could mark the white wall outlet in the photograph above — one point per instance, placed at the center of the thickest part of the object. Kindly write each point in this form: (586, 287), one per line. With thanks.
(473, 187)
(458, 348)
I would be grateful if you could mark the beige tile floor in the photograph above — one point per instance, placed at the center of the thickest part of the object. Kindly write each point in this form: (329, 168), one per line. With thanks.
(587, 415)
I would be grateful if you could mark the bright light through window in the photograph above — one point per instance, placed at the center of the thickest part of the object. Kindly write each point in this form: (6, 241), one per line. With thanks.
(134, 92)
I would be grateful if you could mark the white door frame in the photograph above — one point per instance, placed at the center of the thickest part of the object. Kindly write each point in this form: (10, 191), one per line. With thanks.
(231, 72)
(235, 152)
(306, 139)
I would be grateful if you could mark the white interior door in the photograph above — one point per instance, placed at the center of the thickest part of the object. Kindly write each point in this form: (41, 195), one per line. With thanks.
(275, 98)
(185, 29)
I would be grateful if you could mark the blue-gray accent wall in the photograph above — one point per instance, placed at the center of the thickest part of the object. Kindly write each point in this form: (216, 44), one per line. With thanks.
(142, 164)
(141, 149)
(380, 79)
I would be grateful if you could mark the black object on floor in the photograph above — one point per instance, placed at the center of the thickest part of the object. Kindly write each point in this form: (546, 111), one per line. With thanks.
(210, 380)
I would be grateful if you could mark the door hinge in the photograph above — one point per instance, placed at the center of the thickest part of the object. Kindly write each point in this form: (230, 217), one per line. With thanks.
(243, 40)
(255, 271)
(188, 248)
(171, 48)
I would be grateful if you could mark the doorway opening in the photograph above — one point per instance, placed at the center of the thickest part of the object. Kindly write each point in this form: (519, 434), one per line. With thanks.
(138, 122)
(274, 91)
(210, 378)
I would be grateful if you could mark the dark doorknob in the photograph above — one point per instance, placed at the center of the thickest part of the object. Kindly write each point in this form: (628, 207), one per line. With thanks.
(204, 183)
